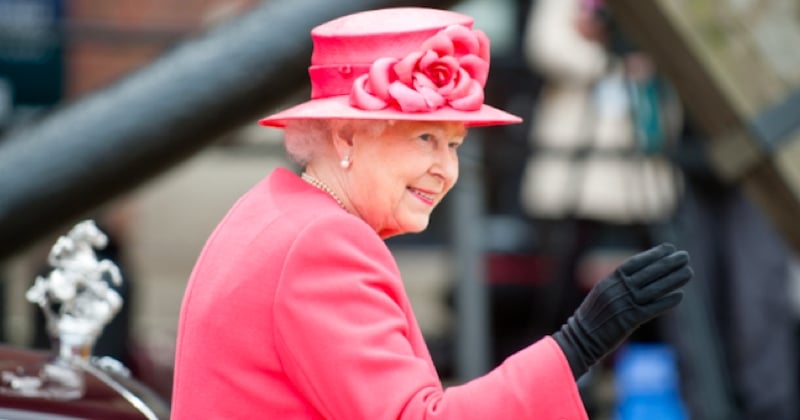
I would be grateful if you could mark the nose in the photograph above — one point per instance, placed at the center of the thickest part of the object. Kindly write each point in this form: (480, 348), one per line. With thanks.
(445, 165)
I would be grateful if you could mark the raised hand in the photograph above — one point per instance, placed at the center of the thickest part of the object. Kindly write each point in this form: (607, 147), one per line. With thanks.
(641, 288)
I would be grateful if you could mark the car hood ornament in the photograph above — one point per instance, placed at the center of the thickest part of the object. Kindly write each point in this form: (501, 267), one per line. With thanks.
(78, 301)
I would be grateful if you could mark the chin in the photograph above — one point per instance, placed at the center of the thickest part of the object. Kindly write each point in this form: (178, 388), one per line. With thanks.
(409, 225)
(417, 226)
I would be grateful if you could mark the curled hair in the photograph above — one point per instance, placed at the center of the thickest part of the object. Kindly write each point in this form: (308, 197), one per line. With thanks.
(307, 139)
(303, 139)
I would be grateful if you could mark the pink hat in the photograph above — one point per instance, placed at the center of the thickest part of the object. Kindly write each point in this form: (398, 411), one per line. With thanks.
(401, 64)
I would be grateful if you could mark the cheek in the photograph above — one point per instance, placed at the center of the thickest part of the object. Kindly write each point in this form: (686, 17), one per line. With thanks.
(386, 186)
(452, 175)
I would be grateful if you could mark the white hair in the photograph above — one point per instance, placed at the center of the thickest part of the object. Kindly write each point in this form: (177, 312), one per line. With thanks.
(303, 139)
(306, 139)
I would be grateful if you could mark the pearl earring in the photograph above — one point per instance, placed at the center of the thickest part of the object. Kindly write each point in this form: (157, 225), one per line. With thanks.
(345, 162)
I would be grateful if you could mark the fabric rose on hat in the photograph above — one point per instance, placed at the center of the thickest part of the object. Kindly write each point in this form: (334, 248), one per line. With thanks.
(450, 68)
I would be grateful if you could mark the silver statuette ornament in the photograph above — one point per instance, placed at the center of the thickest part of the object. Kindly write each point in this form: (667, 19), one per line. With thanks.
(78, 302)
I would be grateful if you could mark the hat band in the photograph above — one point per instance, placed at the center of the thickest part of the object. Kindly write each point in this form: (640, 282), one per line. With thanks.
(449, 69)
(336, 80)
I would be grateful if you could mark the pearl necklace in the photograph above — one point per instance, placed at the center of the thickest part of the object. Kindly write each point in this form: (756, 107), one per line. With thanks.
(319, 184)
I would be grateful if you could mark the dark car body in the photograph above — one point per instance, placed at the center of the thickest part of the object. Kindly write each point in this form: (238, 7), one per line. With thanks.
(110, 393)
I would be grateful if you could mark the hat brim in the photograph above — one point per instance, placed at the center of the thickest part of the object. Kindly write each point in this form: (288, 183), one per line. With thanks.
(338, 107)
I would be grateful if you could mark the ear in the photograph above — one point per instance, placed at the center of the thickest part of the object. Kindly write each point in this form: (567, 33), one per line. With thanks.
(343, 135)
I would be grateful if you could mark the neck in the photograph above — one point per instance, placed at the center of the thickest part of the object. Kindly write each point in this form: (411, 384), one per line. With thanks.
(316, 182)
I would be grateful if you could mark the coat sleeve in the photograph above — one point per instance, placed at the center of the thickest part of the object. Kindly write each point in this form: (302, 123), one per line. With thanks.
(343, 338)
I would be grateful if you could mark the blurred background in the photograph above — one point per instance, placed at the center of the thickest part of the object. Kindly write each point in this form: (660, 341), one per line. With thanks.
(645, 122)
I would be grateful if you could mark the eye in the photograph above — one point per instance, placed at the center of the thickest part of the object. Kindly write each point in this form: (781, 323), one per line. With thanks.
(455, 142)
(426, 136)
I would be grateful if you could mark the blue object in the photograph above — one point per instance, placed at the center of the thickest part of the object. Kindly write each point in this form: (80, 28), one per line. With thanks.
(647, 383)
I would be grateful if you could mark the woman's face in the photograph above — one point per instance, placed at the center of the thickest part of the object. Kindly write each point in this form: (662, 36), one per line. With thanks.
(397, 178)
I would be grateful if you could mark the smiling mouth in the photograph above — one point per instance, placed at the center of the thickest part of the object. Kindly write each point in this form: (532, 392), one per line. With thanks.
(427, 198)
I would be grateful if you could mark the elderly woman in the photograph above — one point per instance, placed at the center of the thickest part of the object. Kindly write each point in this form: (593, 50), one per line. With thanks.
(296, 308)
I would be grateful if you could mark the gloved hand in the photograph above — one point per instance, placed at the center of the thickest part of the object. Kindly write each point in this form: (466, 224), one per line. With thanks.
(640, 289)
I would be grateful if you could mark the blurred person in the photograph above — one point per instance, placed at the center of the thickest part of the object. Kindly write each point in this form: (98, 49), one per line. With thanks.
(295, 307)
(598, 181)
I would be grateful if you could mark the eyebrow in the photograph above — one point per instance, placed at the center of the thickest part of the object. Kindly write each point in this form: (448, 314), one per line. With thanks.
(442, 133)
(460, 133)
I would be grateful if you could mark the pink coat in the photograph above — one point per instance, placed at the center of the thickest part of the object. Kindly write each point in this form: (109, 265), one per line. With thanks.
(296, 310)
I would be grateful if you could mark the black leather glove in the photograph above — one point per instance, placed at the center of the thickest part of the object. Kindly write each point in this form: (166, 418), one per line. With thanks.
(640, 289)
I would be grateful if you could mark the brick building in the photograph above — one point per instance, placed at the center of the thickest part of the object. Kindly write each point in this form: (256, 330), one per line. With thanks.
(106, 39)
